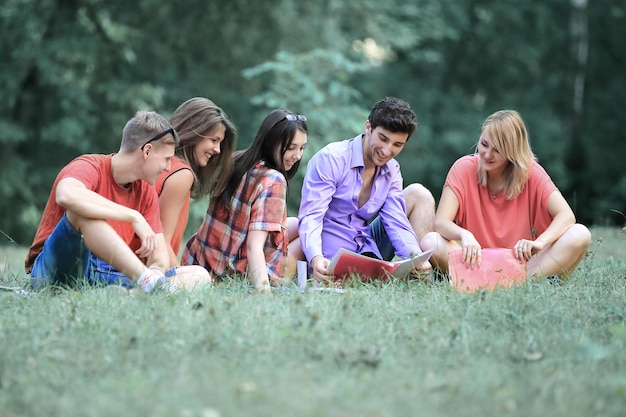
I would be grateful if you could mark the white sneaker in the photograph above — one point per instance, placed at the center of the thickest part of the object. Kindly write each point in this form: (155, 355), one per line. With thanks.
(154, 280)
(164, 284)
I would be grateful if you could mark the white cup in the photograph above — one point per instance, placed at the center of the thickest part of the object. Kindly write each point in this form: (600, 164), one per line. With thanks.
(302, 274)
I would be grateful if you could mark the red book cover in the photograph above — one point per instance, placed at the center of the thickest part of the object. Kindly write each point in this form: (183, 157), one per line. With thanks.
(346, 263)
(498, 268)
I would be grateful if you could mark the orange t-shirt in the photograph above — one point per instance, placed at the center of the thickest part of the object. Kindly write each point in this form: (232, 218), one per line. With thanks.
(176, 165)
(500, 223)
(94, 171)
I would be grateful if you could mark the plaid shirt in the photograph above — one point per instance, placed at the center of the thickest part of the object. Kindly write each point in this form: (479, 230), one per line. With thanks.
(259, 203)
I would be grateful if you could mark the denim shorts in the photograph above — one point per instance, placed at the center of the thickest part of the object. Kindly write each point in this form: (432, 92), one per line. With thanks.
(66, 260)
(101, 273)
(380, 236)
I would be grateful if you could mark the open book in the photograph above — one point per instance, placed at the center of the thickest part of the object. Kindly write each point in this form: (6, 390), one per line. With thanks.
(346, 263)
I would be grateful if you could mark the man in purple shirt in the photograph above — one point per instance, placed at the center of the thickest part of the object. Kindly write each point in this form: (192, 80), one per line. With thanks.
(352, 195)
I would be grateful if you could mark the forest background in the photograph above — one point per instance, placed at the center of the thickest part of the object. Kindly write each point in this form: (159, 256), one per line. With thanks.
(73, 72)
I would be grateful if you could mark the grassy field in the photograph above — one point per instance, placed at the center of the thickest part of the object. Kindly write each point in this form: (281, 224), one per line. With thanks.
(402, 349)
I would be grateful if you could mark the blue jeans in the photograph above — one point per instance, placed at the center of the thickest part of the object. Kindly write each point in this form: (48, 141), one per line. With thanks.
(380, 236)
(66, 260)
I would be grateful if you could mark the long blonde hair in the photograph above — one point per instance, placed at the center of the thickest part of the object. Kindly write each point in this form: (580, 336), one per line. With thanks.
(508, 134)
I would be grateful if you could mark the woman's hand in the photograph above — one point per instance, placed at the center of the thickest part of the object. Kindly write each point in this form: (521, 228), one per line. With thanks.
(525, 249)
(471, 250)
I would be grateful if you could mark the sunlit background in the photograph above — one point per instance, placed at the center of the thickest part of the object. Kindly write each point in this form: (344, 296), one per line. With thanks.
(73, 72)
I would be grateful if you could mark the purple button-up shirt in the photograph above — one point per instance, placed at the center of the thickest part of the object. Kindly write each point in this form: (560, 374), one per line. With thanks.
(330, 217)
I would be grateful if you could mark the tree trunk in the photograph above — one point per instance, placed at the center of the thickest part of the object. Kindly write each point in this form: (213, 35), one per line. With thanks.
(576, 156)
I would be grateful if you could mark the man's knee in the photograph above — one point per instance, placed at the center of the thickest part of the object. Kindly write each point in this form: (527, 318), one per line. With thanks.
(418, 194)
(74, 220)
(86, 226)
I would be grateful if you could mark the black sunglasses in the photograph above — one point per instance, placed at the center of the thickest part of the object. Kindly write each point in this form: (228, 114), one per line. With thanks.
(159, 136)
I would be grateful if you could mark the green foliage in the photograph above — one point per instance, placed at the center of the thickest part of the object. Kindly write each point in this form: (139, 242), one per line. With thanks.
(302, 83)
(73, 72)
(56, 97)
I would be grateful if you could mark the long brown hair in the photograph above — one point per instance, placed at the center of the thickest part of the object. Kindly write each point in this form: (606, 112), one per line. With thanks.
(193, 121)
(270, 144)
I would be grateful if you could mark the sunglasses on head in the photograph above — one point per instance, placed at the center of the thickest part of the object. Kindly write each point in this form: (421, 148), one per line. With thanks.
(159, 136)
(294, 117)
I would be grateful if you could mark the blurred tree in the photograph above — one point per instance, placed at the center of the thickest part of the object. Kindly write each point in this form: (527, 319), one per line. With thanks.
(577, 188)
(74, 71)
(302, 84)
(601, 131)
(66, 67)
(82, 68)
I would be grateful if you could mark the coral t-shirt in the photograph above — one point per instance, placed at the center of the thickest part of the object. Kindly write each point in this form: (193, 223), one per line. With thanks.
(176, 165)
(499, 222)
(94, 171)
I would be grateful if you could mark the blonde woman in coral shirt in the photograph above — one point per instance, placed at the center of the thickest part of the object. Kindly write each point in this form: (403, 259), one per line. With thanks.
(501, 197)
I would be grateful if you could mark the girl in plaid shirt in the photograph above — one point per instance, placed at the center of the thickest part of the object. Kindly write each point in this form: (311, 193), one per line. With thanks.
(245, 227)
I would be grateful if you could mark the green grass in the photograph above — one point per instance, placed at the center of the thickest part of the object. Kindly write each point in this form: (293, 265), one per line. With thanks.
(407, 349)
